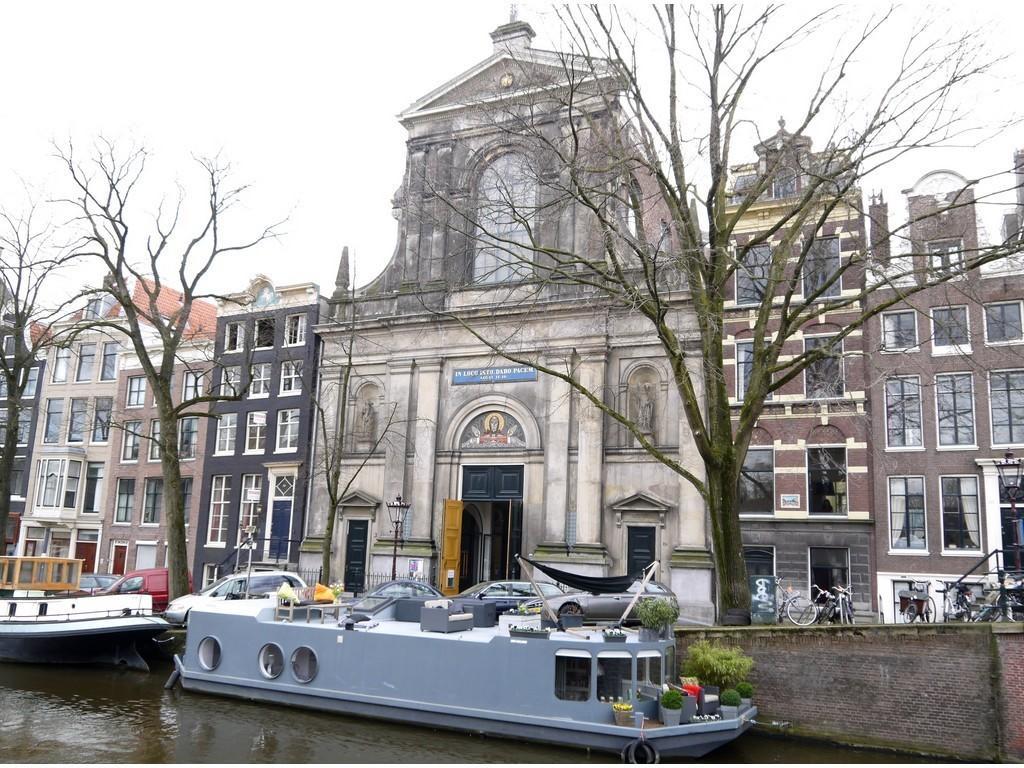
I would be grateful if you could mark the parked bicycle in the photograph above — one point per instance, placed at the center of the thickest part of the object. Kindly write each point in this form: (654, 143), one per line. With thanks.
(833, 606)
(916, 604)
(957, 598)
(791, 604)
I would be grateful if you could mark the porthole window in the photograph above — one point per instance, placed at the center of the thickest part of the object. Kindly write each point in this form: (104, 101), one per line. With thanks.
(304, 665)
(209, 653)
(271, 661)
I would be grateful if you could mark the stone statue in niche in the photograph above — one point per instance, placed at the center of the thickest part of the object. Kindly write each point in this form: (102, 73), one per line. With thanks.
(366, 423)
(645, 409)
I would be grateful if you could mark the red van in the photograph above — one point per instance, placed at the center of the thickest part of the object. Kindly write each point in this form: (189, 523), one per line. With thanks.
(148, 581)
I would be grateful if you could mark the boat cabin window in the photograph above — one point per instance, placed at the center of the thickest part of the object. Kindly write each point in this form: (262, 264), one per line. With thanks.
(11, 608)
(209, 653)
(133, 584)
(572, 675)
(670, 665)
(615, 675)
(304, 664)
(271, 661)
(648, 675)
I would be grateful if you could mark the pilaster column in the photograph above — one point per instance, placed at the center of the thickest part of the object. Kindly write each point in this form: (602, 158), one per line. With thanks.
(590, 454)
(428, 380)
(414, 208)
(990, 512)
(399, 391)
(556, 450)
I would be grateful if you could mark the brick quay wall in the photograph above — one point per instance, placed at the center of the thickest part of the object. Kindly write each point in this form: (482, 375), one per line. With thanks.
(955, 690)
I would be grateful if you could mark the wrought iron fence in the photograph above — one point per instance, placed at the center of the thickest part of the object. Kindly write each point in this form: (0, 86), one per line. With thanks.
(375, 579)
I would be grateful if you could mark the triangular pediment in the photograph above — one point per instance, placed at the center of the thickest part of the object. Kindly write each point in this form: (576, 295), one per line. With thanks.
(641, 502)
(360, 499)
(501, 75)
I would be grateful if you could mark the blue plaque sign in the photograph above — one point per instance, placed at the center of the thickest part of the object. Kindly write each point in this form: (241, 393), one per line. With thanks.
(493, 375)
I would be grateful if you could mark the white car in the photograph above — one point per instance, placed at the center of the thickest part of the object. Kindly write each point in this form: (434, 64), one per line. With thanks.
(236, 586)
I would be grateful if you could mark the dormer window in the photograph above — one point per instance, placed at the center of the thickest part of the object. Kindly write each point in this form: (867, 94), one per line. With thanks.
(506, 201)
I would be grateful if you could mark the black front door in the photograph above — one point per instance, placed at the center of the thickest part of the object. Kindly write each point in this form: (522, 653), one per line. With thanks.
(355, 555)
(639, 548)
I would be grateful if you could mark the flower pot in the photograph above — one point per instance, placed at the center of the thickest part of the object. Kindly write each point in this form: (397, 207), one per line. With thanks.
(546, 623)
(571, 620)
(528, 635)
(624, 718)
(689, 709)
(745, 703)
(669, 716)
(613, 638)
(649, 635)
(727, 712)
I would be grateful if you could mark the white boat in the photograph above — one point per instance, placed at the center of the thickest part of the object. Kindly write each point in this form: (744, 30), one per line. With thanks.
(44, 620)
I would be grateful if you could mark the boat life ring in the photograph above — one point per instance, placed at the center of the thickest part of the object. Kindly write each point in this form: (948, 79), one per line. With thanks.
(640, 752)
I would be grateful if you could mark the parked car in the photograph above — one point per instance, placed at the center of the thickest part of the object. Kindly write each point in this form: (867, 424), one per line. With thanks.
(606, 607)
(507, 595)
(235, 586)
(404, 588)
(96, 582)
(148, 581)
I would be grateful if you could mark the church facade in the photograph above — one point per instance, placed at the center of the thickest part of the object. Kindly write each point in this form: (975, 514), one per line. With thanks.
(495, 457)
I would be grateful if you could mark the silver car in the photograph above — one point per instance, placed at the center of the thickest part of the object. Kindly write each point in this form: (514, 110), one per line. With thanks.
(235, 586)
(606, 607)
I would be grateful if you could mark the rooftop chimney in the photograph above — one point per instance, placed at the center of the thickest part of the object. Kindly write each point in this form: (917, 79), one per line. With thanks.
(512, 37)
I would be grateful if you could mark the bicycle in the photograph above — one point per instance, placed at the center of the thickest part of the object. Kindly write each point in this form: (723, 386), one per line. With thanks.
(791, 605)
(916, 603)
(844, 604)
(958, 607)
(828, 607)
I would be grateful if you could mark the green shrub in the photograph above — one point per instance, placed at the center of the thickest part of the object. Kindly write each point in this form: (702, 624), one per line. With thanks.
(672, 699)
(716, 664)
(730, 698)
(745, 690)
(657, 613)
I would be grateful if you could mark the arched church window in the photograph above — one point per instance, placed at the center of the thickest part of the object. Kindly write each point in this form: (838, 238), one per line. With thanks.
(506, 203)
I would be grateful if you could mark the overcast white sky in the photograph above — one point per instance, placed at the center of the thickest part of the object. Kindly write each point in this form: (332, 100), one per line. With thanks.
(301, 98)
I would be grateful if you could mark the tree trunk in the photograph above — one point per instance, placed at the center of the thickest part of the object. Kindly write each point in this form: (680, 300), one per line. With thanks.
(9, 449)
(734, 592)
(174, 513)
(327, 547)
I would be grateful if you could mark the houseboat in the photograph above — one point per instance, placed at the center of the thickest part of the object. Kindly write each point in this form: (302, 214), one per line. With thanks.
(45, 620)
(447, 666)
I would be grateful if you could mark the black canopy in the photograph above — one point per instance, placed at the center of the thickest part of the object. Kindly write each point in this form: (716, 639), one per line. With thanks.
(597, 585)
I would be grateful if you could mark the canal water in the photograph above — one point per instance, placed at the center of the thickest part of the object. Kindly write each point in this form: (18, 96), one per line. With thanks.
(85, 715)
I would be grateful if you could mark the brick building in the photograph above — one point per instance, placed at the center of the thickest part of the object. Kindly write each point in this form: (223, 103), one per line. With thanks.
(805, 494)
(256, 470)
(946, 369)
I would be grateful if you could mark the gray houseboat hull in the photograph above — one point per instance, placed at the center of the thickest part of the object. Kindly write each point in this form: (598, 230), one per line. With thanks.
(479, 681)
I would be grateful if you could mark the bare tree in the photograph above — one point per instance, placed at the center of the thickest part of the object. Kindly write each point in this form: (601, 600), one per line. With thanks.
(647, 160)
(144, 271)
(31, 260)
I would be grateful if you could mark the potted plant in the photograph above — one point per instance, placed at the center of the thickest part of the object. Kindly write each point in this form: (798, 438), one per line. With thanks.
(337, 588)
(729, 703)
(622, 711)
(614, 636)
(717, 665)
(286, 595)
(670, 707)
(656, 616)
(746, 692)
(529, 633)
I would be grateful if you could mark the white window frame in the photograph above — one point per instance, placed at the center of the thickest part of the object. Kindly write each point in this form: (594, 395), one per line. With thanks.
(249, 511)
(991, 421)
(920, 413)
(950, 349)
(294, 423)
(239, 338)
(60, 354)
(807, 481)
(984, 323)
(129, 393)
(92, 422)
(300, 330)
(42, 470)
(191, 385)
(117, 500)
(974, 414)
(222, 430)
(288, 374)
(220, 496)
(260, 432)
(46, 420)
(917, 333)
(978, 490)
(103, 357)
(924, 496)
(71, 421)
(263, 390)
(195, 438)
(232, 380)
(153, 449)
(127, 433)
(78, 362)
(942, 246)
(842, 366)
(145, 499)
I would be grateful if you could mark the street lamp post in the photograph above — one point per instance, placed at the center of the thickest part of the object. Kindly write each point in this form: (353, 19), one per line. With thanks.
(397, 510)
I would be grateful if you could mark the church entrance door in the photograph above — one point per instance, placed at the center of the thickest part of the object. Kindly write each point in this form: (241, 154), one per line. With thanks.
(497, 495)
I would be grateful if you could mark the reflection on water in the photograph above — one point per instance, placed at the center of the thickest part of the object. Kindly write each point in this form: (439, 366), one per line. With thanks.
(49, 714)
